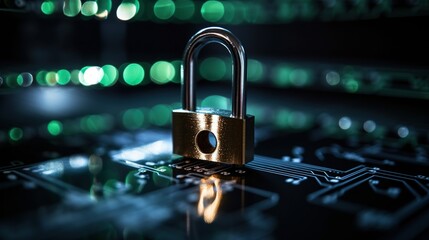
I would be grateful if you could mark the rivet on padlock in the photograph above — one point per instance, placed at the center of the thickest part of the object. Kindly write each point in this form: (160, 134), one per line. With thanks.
(193, 127)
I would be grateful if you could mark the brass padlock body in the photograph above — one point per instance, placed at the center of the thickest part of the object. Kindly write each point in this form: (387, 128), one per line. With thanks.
(234, 137)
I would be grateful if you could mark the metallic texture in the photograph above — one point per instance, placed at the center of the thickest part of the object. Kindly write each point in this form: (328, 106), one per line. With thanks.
(235, 137)
(233, 131)
(239, 68)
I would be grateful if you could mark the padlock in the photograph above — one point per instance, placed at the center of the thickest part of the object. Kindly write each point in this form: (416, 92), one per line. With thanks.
(210, 134)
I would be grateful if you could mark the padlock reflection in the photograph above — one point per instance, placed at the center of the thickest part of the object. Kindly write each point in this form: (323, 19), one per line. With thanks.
(210, 198)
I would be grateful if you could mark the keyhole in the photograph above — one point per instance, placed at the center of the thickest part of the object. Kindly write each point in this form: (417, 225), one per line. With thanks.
(206, 141)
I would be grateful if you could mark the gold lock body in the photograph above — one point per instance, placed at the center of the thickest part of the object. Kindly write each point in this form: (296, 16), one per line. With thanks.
(234, 136)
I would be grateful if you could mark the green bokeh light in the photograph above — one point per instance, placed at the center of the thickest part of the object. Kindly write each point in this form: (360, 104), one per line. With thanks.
(133, 119)
(74, 76)
(352, 85)
(177, 64)
(286, 12)
(281, 75)
(127, 10)
(162, 72)
(47, 7)
(110, 76)
(160, 115)
(64, 77)
(96, 123)
(298, 120)
(81, 75)
(164, 9)
(51, 78)
(239, 12)
(229, 12)
(255, 70)
(216, 101)
(185, 9)
(16, 134)
(55, 127)
(213, 69)
(133, 74)
(89, 8)
(350, 79)
(41, 77)
(212, 11)
(253, 13)
(71, 8)
(24, 79)
(299, 77)
(11, 80)
(282, 118)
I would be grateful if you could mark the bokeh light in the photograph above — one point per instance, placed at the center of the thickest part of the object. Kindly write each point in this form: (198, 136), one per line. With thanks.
(133, 74)
(162, 72)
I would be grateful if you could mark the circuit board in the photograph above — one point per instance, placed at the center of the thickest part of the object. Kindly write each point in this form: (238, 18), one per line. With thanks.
(317, 180)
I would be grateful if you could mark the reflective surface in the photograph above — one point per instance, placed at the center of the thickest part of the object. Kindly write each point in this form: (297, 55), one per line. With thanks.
(234, 137)
(239, 68)
(128, 185)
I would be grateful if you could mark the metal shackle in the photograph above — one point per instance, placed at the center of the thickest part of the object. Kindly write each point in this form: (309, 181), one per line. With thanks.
(239, 68)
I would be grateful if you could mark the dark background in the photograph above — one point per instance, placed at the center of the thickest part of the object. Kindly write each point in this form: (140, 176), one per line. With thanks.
(32, 41)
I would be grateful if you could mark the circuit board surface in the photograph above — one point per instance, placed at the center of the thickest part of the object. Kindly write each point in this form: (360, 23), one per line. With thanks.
(301, 184)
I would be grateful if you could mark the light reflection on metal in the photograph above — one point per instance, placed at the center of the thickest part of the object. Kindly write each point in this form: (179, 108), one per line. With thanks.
(210, 198)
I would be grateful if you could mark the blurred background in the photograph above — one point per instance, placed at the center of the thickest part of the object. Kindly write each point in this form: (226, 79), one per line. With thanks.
(71, 67)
